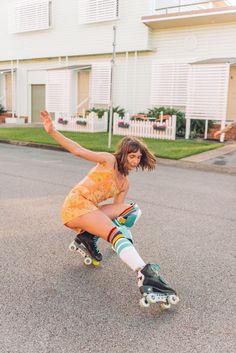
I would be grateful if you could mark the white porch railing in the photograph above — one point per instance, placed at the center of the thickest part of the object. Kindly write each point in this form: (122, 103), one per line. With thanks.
(190, 6)
(164, 130)
(91, 123)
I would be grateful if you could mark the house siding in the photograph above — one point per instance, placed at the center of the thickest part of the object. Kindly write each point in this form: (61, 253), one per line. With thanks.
(68, 37)
(137, 47)
(195, 43)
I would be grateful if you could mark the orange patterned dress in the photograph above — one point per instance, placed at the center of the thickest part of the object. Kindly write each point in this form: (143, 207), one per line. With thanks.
(98, 186)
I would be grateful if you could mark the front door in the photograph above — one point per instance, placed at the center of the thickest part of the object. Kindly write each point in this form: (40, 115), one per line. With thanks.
(8, 90)
(83, 91)
(231, 113)
(37, 102)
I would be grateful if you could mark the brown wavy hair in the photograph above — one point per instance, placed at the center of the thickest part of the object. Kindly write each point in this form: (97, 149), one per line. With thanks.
(131, 145)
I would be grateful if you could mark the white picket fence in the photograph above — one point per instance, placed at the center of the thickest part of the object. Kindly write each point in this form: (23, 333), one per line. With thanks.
(90, 123)
(145, 128)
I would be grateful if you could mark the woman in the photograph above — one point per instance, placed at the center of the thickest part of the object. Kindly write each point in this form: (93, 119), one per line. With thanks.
(226, 129)
(82, 213)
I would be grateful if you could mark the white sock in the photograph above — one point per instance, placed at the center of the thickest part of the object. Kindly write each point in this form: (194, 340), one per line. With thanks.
(131, 257)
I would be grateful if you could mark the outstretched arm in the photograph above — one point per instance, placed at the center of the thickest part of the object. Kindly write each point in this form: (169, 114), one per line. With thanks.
(227, 128)
(72, 146)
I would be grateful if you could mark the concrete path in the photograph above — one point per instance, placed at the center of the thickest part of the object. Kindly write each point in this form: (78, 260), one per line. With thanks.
(219, 160)
(212, 155)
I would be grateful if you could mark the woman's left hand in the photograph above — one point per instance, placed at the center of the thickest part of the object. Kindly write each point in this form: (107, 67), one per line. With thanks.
(47, 122)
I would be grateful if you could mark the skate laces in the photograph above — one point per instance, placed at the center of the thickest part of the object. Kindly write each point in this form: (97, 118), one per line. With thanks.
(94, 241)
(156, 269)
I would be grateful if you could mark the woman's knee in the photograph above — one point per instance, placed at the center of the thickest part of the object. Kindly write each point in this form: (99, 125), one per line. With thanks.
(113, 210)
(129, 216)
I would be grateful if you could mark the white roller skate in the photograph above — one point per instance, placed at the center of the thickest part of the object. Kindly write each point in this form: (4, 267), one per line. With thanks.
(154, 288)
(86, 246)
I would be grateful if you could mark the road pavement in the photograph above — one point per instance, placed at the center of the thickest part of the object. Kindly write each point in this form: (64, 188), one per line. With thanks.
(51, 303)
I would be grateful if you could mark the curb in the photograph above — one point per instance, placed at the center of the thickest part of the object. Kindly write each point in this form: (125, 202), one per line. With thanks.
(197, 166)
(33, 144)
(167, 162)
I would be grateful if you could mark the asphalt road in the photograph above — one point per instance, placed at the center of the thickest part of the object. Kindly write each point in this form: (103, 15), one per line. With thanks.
(51, 303)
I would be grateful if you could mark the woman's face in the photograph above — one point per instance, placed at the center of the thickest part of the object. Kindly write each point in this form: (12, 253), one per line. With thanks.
(133, 160)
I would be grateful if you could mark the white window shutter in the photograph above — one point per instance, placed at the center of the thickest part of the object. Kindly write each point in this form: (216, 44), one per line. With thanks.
(29, 15)
(169, 84)
(207, 91)
(100, 83)
(98, 10)
(58, 91)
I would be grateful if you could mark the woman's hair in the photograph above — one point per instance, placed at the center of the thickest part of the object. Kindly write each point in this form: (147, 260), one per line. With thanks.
(129, 145)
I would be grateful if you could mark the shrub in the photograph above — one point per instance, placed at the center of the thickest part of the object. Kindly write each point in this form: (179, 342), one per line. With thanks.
(100, 111)
(2, 109)
(198, 128)
(180, 117)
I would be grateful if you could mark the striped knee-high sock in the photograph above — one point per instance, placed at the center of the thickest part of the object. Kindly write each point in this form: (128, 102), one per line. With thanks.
(122, 217)
(125, 249)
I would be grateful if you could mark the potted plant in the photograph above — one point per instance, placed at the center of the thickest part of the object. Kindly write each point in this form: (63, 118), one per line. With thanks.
(139, 116)
(159, 127)
(81, 122)
(62, 121)
(99, 111)
(123, 124)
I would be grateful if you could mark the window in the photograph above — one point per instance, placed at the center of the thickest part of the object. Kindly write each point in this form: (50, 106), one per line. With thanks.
(30, 15)
(98, 10)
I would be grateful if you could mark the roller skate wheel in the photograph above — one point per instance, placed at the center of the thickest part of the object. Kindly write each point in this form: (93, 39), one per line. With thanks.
(95, 263)
(143, 303)
(87, 261)
(151, 298)
(164, 306)
(72, 247)
(173, 299)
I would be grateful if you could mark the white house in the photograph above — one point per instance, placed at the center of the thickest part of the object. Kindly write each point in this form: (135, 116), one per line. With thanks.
(178, 53)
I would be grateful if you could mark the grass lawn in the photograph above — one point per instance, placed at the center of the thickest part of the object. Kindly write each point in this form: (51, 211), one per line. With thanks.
(98, 142)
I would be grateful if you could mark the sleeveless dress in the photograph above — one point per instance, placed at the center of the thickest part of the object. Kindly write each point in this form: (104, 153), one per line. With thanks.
(98, 186)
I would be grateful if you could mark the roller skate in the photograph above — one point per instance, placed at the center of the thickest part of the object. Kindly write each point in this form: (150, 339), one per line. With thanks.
(86, 245)
(154, 288)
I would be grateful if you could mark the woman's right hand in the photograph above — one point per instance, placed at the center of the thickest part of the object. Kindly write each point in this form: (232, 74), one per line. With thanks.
(217, 133)
(47, 121)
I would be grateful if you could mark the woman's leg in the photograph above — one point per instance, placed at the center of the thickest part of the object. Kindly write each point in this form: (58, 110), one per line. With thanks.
(114, 210)
(99, 224)
(95, 222)
(122, 214)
